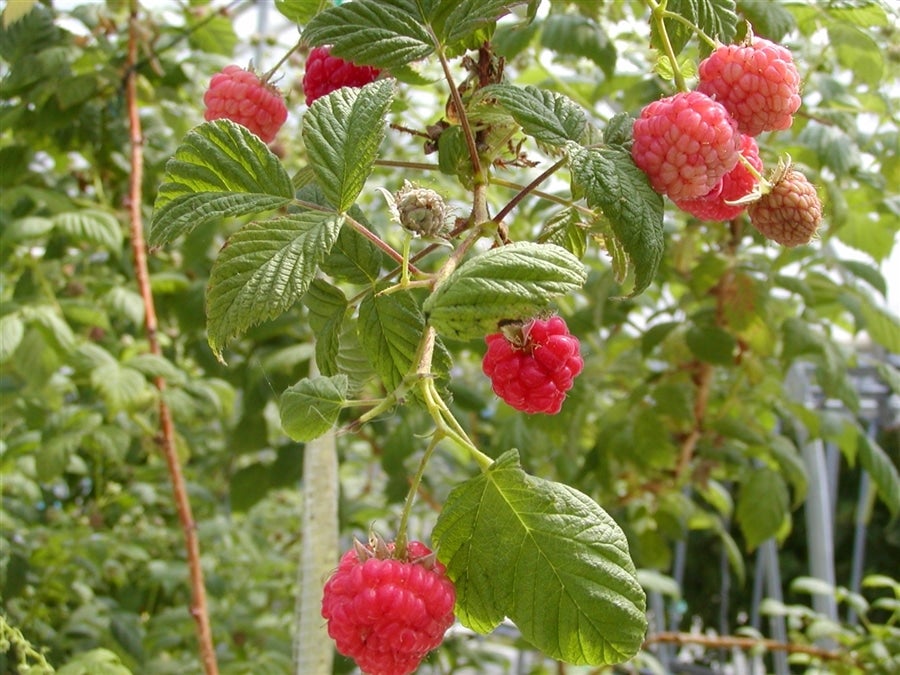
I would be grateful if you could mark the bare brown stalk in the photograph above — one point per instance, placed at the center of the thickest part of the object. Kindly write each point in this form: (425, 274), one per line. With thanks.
(167, 426)
(728, 641)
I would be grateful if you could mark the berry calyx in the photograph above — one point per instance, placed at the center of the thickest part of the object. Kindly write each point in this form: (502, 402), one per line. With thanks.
(757, 83)
(242, 97)
(790, 212)
(685, 143)
(533, 365)
(723, 202)
(387, 612)
(326, 73)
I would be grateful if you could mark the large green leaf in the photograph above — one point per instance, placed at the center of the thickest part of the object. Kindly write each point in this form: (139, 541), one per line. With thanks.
(716, 18)
(301, 11)
(342, 132)
(546, 556)
(381, 33)
(311, 407)
(762, 506)
(221, 169)
(610, 180)
(573, 34)
(882, 471)
(390, 329)
(265, 267)
(548, 117)
(509, 282)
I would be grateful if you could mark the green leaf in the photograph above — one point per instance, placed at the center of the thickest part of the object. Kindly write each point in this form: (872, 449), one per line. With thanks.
(12, 330)
(301, 11)
(546, 556)
(354, 258)
(711, 344)
(390, 329)
(509, 282)
(342, 132)
(867, 272)
(211, 34)
(882, 326)
(92, 226)
(247, 486)
(548, 117)
(762, 506)
(577, 35)
(121, 387)
(327, 306)
(610, 181)
(265, 267)
(769, 19)
(717, 18)
(881, 469)
(94, 662)
(857, 52)
(454, 21)
(566, 229)
(51, 325)
(221, 169)
(381, 33)
(154, 365)
(311, 407)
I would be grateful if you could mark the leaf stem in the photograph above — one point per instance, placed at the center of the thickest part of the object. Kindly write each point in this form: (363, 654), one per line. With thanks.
(562, 201)
(383, 245)
(271, 72)
(524, 192)
(401, 538)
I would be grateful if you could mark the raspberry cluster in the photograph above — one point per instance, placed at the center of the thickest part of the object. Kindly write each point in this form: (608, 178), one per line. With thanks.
(326, 73)
(699, 147)
(242, 97)
(533, 365)
(387, 613)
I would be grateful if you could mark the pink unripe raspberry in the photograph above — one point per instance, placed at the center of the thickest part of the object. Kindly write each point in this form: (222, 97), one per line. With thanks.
(789, 214)
(737, 183)
(757, 83)
(240, 96)
(534, 365)
(326, 73)
(387, 613)
(685, 143)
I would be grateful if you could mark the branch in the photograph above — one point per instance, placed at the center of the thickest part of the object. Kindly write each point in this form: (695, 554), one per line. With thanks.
(167, 425)
(726, 641)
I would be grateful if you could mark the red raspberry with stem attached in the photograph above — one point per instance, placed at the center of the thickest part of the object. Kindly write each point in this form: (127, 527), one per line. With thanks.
(685, 143)
(387, 612)
(326, 73)
(533, 365)
(242, 97)
(719, 204)
(757, 83)
(789, 212)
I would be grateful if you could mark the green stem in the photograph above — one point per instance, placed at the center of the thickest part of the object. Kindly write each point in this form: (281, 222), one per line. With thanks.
(270, 73)
(657, 17)
(401, 539)
(448, 424)
(399, 164)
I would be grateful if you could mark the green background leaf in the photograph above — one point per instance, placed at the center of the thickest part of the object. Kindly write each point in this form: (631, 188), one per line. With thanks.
(311, 407)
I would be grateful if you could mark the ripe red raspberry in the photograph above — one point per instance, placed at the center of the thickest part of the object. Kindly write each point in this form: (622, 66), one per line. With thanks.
(240, 96)
(387, 613)
(737, 183)
(791, 212)
(532, 366)
(326, 73)
(685, 143)
(757, 83)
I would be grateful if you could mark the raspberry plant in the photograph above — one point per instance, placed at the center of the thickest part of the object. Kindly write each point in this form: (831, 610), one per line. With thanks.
(478, 180)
